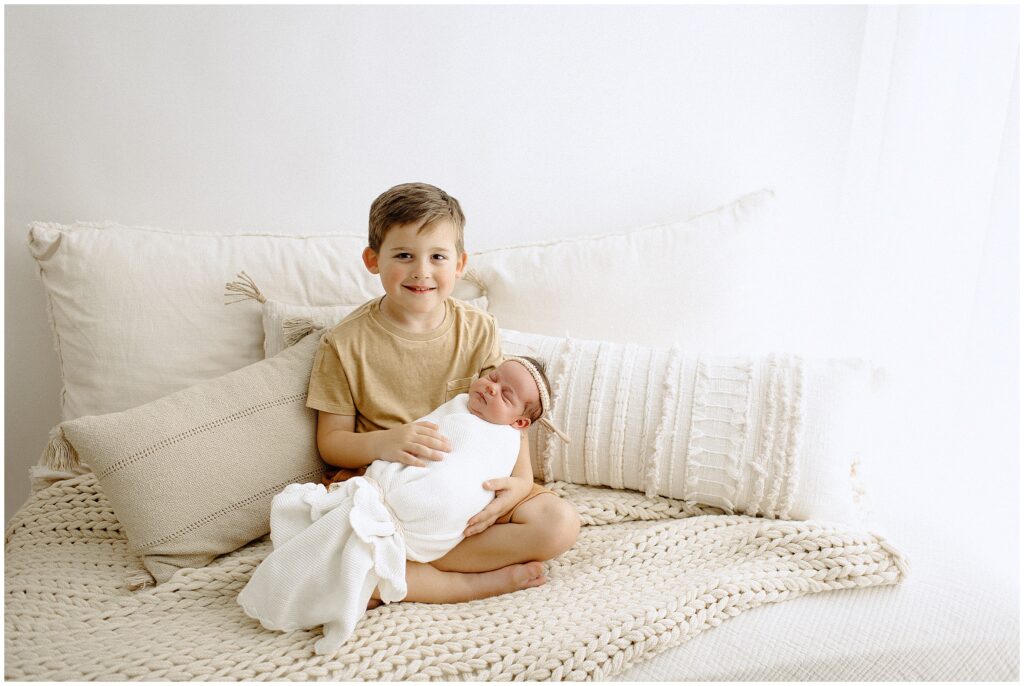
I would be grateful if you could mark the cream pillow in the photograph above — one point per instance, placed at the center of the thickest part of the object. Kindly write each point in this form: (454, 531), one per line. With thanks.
(191, 475)
(138, 313)
(706, 284)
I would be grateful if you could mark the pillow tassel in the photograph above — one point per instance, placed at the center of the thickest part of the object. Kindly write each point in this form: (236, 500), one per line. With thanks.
(138, 579)
(59, 454)
(294, 329)
(473, 277)
(243, 289)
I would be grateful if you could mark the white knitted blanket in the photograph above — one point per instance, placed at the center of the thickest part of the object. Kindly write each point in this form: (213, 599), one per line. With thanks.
(645, 574)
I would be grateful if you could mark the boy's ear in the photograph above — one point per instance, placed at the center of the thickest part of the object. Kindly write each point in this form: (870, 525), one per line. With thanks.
(521, 423)
(461, 265)
(370, 260)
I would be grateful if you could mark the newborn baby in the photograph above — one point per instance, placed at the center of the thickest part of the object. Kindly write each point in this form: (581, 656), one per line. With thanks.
(333, 547)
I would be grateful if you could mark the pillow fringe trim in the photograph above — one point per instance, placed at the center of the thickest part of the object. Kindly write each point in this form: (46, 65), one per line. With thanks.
(652, 473)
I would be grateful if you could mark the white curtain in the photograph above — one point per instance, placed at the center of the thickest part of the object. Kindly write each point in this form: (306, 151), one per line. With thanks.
(931, 197)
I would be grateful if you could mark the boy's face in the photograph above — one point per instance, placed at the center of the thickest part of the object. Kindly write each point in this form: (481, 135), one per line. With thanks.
(503, 395)
(418, 269)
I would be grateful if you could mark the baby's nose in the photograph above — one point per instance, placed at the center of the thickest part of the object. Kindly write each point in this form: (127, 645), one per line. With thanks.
(491, 389)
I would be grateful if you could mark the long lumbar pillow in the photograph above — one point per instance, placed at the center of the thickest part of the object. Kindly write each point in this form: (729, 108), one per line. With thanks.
(769, 435)
(772, 435)
(191, 475)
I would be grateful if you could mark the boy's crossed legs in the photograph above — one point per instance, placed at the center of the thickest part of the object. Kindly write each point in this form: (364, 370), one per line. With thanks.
(504, 557)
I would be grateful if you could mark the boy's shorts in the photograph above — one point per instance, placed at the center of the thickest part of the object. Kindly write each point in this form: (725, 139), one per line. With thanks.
(535, 491)
(337, 475)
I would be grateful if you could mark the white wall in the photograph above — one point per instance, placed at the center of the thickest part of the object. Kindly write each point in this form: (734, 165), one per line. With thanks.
(542, 120)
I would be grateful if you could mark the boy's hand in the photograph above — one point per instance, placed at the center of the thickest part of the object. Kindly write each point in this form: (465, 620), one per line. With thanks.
(411, 444)
(508, 491)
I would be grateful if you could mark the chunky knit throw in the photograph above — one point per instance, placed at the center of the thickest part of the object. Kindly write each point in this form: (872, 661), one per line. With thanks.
(645, 574)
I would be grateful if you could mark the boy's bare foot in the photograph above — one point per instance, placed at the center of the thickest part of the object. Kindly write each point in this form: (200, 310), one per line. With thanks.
(526, 575)
(461, 587)
(429, 585)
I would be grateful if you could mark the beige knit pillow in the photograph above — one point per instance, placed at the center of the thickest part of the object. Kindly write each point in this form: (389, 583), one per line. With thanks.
(191, 475)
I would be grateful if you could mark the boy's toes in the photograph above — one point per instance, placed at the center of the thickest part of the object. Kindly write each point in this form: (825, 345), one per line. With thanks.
(536, 581)
(529, 575)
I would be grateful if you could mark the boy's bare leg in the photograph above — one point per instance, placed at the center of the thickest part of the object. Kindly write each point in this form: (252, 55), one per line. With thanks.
(426, 584)
(542, 528)
(501, 559)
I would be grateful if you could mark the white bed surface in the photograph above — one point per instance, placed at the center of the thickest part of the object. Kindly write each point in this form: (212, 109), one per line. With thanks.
(956, 617)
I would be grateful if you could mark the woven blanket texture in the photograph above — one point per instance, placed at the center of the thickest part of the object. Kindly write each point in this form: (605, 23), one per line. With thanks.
(646, 574)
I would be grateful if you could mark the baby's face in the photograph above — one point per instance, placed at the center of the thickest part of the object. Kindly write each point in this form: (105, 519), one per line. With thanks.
(505, 395)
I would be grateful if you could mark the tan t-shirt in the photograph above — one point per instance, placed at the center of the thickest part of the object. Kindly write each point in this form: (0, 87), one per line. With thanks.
(368, 367)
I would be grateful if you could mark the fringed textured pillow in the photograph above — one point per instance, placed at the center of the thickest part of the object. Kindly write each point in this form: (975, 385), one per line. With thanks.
(768, 435)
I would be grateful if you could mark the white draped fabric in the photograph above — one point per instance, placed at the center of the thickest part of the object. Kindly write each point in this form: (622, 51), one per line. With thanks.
(931, 252)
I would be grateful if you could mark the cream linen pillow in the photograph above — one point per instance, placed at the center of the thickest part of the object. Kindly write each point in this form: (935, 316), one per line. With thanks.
(703, 284)
(191, 475)
(138, 312)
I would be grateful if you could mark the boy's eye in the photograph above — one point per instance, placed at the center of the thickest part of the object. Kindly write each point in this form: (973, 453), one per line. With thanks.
(403, 256)
(440, 257)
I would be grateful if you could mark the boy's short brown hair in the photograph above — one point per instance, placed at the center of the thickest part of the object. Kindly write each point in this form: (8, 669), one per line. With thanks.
(410, 203)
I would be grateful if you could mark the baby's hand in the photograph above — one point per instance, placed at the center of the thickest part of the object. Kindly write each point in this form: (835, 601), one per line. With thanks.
(411, 444)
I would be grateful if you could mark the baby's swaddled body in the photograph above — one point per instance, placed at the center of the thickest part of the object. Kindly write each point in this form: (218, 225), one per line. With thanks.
(331, 548)
(433, 503)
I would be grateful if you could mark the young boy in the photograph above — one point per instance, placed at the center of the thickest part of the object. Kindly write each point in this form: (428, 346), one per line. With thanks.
(398, 357)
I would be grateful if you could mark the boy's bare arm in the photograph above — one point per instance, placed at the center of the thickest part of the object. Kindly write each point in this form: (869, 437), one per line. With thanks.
(411, 444)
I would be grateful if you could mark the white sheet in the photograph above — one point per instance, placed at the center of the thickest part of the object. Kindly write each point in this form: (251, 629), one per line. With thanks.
(956, 617)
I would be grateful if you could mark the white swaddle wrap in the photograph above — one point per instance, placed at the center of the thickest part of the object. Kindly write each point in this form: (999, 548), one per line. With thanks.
(331, 548)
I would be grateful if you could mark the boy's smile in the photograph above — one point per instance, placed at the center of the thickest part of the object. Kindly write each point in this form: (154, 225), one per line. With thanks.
(418, 268)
